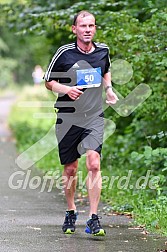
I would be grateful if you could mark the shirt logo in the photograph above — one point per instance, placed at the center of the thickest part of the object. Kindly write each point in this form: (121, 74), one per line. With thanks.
(75, 65)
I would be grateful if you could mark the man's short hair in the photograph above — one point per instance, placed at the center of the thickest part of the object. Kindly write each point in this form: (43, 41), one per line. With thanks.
(82, 13)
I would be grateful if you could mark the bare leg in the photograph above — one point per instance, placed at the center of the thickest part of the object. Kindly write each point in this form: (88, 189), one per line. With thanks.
(70, 182)
(94, 180)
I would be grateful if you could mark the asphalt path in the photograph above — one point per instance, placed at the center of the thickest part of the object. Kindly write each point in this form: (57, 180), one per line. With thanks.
(31, 220)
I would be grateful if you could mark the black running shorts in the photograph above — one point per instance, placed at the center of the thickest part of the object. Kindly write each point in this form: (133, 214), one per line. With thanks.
(76, 135)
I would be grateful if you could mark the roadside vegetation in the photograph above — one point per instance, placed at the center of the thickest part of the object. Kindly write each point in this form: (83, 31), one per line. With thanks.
(134, 158)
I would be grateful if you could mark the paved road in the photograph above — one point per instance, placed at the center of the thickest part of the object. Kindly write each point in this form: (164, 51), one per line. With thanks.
(31, 220)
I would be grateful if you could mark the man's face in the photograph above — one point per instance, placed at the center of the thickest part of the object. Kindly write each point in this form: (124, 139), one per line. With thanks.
(85, 28)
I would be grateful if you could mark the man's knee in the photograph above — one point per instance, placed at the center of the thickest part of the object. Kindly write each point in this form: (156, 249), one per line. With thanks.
(93, 162)
(71, 169)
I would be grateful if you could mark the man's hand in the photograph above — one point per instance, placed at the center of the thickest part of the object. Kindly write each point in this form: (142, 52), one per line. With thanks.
(111, 97)
(74, 92)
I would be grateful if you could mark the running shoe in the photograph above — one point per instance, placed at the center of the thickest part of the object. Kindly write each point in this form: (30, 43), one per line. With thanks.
(69, 222)
(93, 226)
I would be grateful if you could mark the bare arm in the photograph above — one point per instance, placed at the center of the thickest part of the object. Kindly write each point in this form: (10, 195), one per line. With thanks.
(73, 92)
(110, 95)
(107, 80)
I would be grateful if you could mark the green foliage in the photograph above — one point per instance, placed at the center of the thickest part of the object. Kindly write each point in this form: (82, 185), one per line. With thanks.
(3, 46)
(154, 158)
(153, 213)
(6, 66)
(19, 55)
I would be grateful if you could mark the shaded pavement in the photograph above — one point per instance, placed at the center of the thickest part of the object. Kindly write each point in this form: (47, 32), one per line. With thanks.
(31, 220)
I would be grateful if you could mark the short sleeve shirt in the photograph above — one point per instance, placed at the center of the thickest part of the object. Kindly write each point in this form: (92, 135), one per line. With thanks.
(71, 67)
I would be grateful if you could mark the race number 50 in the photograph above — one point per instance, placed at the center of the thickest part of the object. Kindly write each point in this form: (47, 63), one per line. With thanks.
(89, 78)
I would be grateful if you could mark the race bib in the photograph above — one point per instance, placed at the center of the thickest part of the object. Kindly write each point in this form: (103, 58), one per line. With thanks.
(88, 78)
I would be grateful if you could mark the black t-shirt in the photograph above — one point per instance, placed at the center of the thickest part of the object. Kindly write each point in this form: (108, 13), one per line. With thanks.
(71, 67)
